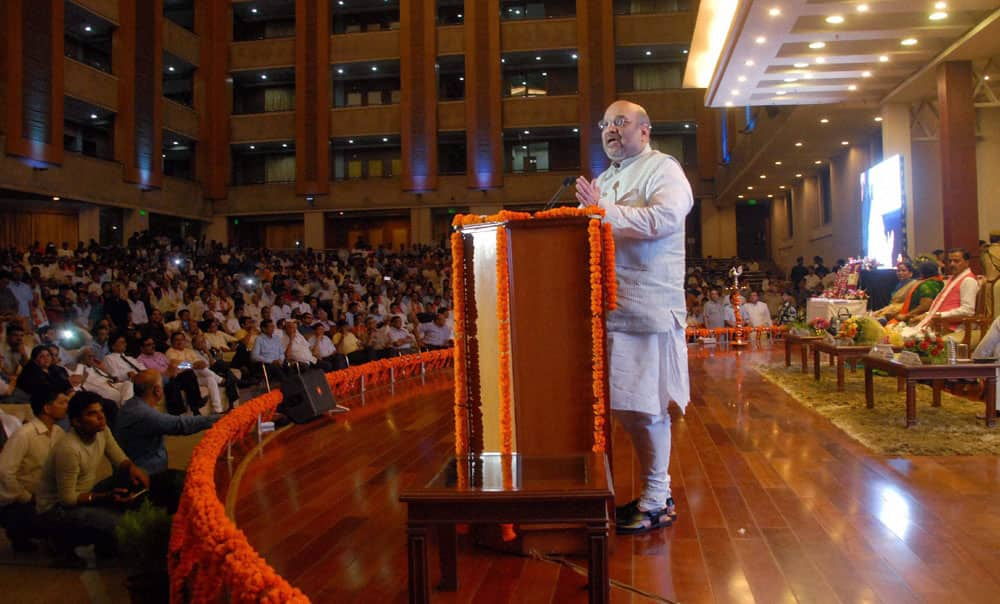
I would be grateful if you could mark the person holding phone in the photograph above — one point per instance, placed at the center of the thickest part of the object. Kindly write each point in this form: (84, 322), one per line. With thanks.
(70, 499)
(184, 358)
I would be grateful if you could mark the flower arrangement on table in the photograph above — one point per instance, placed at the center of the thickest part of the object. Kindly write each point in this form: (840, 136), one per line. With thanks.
(861, 330)
(845, 285)
(929, 346)
(819, 326)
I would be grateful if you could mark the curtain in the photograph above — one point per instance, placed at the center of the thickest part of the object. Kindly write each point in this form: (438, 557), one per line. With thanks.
(21, 229)
(280, 169)
(283, 235)
(279, 99)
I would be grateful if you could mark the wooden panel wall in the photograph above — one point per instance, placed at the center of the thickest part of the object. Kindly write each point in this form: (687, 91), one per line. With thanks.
(596, 48)
(138, 62)
(33, 119)
(20, 229)
(419, 94)
(312, 97)
(213, 95)
(484, 128)
(957, 140)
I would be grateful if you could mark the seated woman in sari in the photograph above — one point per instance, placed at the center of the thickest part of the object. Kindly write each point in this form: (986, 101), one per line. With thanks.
(906, 284)
(929, 284)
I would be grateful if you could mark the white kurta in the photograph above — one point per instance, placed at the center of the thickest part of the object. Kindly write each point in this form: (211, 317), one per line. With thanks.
(646, 199)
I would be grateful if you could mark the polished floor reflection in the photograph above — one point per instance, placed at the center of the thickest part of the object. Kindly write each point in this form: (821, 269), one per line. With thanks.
(776, 504)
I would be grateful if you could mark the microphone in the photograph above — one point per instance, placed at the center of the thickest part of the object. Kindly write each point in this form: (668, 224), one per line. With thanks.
(565, 183)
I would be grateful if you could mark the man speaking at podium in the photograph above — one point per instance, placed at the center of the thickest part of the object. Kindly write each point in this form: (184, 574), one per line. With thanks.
(646, 198)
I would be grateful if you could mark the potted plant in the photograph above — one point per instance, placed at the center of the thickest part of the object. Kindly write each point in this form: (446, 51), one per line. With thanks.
(143, 535)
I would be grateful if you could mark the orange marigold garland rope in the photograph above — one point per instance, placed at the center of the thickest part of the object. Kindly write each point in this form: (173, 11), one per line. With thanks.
(610, 278)
(503, 344)
(461, 392)
(595, 232)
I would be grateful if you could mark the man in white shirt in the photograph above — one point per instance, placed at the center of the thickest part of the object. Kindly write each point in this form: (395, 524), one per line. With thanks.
(400, 340)
(755, 312)
(137, 309)
(21, 462)
(717, 313)
(297, 349)
(435, 335)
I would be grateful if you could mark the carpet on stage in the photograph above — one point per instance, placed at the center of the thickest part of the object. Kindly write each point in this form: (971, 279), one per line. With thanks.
(951, 429)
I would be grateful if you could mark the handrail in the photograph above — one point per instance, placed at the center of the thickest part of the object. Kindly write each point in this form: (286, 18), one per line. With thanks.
(209, 558)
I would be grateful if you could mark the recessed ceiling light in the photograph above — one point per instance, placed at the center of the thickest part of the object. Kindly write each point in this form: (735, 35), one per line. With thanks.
(817, 45)
(852, 87)
(741, 79)
(284, 145)
(749, 187)
(781, 186)
(574, 56)
(649, 53)
(770, 195)
(527, 131)
(537, 58)
(385, 139)
(820, 60)
(340, 70)
(459, 15)
(252, 147)
(684, 52)
(502, 60)
(835, 19)
(54, 198)
(740, 196)
(88, 28)
(862, 8)
(774, 12)
(781, 93)
(798, 144)
(940, 5)
(734, 92)
(461, 78)
(818, 162)
(883, 59)
(576, 129)
(798, 175)
(93, 116)
(253, 11)
(350, 141)
(748, 62)
(177, 142)
(790, 80)
(866, 74)
(800, 65)
(760, 39)
(986, 77)
(908, 41)
(171, 68)
(777, 163)
(263, 76)
(878, 118)
(374, 67)
(845, 143)
(937, 16)
(824, 120)
(729, 103)
(763, 176)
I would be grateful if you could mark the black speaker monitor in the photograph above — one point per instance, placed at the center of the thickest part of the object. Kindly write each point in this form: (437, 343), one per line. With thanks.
(306, 396)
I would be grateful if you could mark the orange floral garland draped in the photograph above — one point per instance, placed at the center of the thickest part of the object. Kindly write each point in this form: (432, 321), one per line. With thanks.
(209, 558)
(461, 392)
(503, 344)
(597, 336)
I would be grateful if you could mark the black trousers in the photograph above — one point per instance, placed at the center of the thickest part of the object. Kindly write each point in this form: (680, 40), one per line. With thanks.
(21, 523)
(183, 386)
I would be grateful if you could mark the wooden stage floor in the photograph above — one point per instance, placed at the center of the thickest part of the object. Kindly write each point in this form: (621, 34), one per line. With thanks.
(775, 503)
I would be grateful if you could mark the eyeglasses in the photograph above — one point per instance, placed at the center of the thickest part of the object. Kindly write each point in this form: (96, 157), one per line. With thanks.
(618, 122)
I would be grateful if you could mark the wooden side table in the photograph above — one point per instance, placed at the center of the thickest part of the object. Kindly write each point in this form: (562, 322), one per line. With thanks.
(497, 489)
(936, 374)
(839, 354)
(803, 342)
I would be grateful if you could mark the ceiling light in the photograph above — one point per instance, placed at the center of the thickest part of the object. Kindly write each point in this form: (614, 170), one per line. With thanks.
(93, 116)
(790, 80)
(350, 141)
(908, 41)
(748, 63)
(749, 187)
(527, 131)
(818, 162)
(734, 92)
(770, 195)
(459, 15)
(284, 145)
(866, 74)
(502, 60)
(777, 163)
(763, 176)
(781, 186)
(986, 77)
(807, 76)
(940, 5)
(817, 45)
(538, 58)
(649, 53)
(171, 68)
(385, 139)
(798, 175)
(774, 12)
(798, 144)
(684, 52)
(862, 8)
(253, 11)
(781, 93)
(883, 59)
(760, 39)
(88, 28)
(741, 79)
(800, 65)
(729, 103)
(461, 78)
(177, 142)
(374, 67)
(574, 56)
(340, 70)
(845, 143)
(820, 60)
(263, 76)
(878, 118)
(740, 196)
(939, 15)
(576, 129)
(852, 87)
(835, 19)
(252, 147)
(55, 198)
(824, 120)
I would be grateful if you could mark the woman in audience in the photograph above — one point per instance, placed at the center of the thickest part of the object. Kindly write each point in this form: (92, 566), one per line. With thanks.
(41, 374)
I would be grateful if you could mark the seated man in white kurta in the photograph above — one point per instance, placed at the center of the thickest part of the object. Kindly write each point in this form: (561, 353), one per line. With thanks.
(646, 199)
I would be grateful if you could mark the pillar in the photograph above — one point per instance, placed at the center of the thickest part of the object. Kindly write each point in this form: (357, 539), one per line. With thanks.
(137, 56)
(896, 140)
(420, 226)
(314, 227)
(89, 224)
(213, 95)
(31, 62)
(957, 140)
(312, 98)
(707, 137)
(596, 68)
(418, 55)
(483, 117)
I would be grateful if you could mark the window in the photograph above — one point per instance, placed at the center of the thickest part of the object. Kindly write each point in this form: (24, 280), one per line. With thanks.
(539, 73)
(641, 7)
(536, 9)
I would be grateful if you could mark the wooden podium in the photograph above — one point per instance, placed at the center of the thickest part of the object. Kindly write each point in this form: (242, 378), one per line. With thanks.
(543, 273)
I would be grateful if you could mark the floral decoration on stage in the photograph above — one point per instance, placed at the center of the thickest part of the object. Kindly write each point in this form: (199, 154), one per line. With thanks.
(845, 285)
(503, 344)
(209, 559)
(863, 331)
(928, 346)
(461, 386)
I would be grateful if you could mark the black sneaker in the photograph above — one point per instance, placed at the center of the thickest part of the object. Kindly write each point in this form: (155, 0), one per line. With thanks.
(624, 512)
(643, 522)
